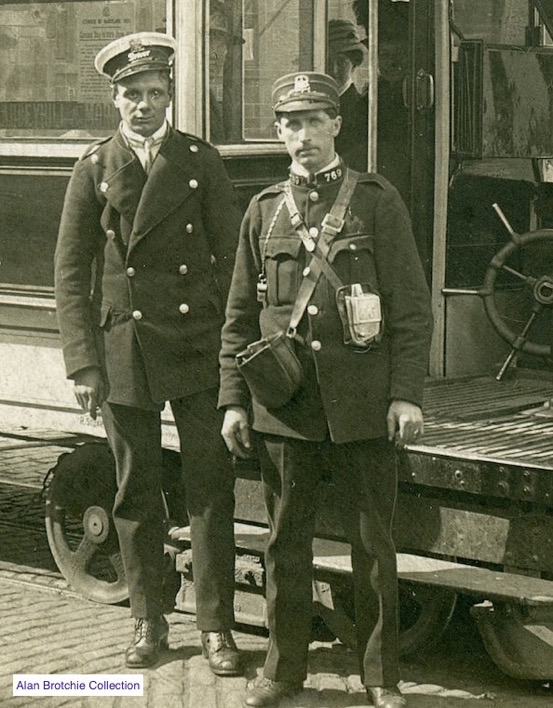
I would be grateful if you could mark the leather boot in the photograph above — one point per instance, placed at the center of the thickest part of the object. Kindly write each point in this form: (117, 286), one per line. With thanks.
(150, 635)
(386, 697)
(266, 692)
(221, 651)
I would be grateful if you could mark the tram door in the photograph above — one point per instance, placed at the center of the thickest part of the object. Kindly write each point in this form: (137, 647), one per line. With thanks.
(397, 81)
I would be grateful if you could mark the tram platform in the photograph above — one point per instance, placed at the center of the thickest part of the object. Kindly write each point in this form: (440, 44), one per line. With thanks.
(47, 628)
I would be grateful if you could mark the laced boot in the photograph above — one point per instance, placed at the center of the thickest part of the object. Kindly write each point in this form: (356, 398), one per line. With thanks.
(150, 635)
(221, 651)
(267, 692)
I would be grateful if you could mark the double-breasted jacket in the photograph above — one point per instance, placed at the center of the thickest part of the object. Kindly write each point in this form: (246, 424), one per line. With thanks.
(346, 391)
(143, 266)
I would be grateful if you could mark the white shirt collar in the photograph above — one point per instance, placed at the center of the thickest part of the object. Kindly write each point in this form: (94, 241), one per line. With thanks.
(157, 137)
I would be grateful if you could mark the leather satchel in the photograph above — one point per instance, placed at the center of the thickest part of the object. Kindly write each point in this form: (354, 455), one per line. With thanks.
(271, 369)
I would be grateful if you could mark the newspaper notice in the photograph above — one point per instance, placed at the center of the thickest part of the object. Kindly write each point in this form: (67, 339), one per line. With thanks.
(97, 25)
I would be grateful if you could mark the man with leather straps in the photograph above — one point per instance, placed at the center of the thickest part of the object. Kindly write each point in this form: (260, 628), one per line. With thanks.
(357, 401)
(150, 221)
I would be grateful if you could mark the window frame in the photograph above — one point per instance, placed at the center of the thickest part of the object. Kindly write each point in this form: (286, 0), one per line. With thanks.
(188, 22)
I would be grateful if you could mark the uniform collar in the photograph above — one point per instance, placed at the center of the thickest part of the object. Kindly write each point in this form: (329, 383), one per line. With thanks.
(333, 172)
(134, 139)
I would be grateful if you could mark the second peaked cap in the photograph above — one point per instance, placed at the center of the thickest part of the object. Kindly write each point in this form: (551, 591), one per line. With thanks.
(135, 53)
(305, 91)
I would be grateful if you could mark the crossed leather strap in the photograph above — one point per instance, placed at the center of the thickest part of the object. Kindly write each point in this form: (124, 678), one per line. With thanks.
(331, 225)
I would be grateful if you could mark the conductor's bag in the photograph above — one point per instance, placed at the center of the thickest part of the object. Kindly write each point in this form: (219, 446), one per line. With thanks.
(271, 369)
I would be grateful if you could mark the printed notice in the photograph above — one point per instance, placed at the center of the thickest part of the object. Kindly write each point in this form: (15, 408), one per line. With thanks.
(96, 27)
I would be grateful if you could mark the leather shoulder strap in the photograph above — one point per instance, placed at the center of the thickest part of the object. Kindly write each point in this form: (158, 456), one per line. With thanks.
(332, 224)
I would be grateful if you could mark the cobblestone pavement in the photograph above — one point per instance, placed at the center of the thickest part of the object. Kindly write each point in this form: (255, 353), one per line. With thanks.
(46, 628)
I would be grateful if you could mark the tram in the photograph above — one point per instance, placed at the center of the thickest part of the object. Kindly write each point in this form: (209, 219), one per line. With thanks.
(460, 119)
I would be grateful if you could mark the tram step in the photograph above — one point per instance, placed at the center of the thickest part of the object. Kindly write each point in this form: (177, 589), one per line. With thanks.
(334, 557)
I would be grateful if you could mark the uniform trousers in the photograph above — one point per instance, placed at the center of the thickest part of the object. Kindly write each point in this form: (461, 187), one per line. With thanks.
(364, 476)
(139, 514)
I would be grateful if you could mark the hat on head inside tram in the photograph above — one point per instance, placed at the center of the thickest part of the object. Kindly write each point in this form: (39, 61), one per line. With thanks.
(305, 91)
(218, 18)
(343, 38)
(135, 53)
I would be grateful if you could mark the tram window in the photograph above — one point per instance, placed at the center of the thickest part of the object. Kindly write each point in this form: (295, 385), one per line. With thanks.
(393, 117)
(346, 62)
(250, 45)
(48, 85)
(494, 21)
(28, 232)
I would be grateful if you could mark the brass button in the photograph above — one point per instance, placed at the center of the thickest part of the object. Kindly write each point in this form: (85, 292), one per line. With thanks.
(316, 345)
(184, 308)
(189, 228)
(104, 187)
(110, 233)
(313, 310)
(183, 269)
(131, 271)
(353, 247)
(137, 315)
(306, 271)
(94, 159)
(193, 148)
(313, 232)
(314, 196)
(193, 184)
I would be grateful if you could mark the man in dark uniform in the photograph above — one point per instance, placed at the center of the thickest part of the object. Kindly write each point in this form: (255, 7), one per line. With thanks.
(143, 265)
(360, 395)
(345, 54)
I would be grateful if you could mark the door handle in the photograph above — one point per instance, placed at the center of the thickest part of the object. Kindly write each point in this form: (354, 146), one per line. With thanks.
(424, 90)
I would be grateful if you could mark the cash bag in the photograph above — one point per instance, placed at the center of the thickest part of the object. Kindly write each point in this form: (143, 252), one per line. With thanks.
(271, 369)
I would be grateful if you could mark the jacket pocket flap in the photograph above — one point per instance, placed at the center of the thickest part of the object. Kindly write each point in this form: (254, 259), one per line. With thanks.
(282, 247)
(364, 242)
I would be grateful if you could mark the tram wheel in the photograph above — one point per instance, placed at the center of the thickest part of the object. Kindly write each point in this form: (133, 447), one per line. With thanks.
(79, 525)
(80, 528)
(425, 612)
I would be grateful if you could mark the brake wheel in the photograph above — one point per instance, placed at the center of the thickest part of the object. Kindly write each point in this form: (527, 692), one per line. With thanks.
(523, 268)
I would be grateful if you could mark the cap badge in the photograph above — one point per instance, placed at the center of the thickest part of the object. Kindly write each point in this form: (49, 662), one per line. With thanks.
(138, 51)
(301, 84)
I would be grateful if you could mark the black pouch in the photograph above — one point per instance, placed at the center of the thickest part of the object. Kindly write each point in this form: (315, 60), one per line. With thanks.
(271, 369)
(360, 310)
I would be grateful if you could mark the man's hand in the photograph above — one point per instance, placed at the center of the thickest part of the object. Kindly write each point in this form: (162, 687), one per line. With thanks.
(89, 390)
(405, 422)
(236, 431)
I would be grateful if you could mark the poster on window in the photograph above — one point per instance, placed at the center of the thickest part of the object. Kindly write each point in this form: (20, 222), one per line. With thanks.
(96, 27)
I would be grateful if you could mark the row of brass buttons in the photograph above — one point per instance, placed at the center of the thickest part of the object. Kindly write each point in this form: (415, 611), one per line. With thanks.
(183, 309)
(104, 186)
(131, 272)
